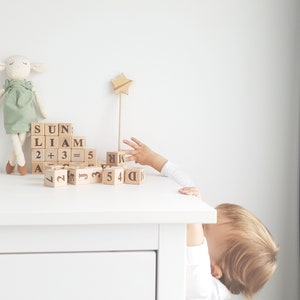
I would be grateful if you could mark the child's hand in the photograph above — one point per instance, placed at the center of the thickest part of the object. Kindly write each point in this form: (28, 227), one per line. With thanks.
(190, 191)
(143, 155)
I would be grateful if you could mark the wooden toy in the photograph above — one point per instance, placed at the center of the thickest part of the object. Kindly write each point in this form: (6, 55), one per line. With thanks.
(55, 177)
(37, 141)
(51, 155)
(65, 129)
(37, 167)
(64, 141)
(37, 128)
(95, 174)
(121, 85)
(51, 128)
(64, 155)
(77, 155)
(90, 157)
(115, 158)
(78, 142)
(51, 141)
(113, 176)
(134, 176)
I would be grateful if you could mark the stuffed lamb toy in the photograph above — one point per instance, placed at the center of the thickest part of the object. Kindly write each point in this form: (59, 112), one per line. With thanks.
(21, 107)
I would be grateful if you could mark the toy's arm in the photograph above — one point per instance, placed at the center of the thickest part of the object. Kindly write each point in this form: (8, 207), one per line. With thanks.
(39, 104)
(2, 91)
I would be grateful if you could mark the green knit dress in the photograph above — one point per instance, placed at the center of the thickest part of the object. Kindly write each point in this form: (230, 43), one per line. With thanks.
(19, 106)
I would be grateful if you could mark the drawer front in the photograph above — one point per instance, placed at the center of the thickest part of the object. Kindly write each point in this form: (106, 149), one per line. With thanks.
(78, 276)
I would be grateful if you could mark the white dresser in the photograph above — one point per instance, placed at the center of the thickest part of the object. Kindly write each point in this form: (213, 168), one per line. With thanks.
(88, 242)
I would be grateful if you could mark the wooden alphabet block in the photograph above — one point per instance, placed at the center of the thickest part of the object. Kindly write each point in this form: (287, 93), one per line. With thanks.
(65, 129)
(78, 142)
(51, 155)
(95, 174)
(37, 128)
(90, 157)
(55, 177)
(65, 141)
(115, 158)
(78, 176)
(102, 164)
(77, 155)
(64, 155)
(51, 141)
(113, 176)
(37, 167)
(134, 176)
(37, 141)
(51, 129)
(37, 154)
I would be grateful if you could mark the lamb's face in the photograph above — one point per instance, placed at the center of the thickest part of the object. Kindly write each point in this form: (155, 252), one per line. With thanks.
(17, 67)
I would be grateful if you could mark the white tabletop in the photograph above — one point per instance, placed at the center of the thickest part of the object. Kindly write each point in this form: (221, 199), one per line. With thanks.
(24, 200)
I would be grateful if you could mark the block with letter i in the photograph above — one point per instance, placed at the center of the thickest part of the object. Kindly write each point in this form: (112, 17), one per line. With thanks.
(55, 177)
(134, 176)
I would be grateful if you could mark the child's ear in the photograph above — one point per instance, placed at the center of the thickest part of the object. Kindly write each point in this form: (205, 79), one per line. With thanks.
(2, 66)
(37, 67)
(216, 271)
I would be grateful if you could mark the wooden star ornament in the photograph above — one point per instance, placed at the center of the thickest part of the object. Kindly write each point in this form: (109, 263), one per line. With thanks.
(121, 84)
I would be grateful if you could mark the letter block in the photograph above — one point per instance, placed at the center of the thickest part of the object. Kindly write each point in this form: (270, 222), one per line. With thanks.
(37, 167)
(51, 129)
(113, 176)
(37, 141)
(134, 176)
(65, 129)
(55, 177)
(115, 158)
(37, 129)
(78, 176)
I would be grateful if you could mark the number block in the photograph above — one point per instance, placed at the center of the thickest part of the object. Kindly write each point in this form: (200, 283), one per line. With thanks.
(38, 155)
(55, 177)
(134, 176)
(113, 176)
(95, 174)
(115, 158)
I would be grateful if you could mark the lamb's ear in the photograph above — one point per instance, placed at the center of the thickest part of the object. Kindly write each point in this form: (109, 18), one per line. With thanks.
(2, 66)
(37, 67)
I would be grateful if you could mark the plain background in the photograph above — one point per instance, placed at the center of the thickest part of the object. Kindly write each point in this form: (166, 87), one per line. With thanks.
(216, 90)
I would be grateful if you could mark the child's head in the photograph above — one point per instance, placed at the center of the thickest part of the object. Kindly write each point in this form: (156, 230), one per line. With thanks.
(242, 250)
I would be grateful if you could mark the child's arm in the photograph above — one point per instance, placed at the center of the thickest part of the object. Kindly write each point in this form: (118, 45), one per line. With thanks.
(143, 155)
(194, 233)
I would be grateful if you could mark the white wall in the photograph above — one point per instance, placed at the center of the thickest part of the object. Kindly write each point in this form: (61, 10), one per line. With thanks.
(215, 90)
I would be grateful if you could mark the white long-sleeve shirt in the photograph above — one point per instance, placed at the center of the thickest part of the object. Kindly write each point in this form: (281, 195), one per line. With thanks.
(200, 284)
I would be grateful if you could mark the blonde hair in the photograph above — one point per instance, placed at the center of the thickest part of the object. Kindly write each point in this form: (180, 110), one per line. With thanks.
(249, 258)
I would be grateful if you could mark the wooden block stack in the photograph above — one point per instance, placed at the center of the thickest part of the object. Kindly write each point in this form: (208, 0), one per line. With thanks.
(64, 159)
(54, 144)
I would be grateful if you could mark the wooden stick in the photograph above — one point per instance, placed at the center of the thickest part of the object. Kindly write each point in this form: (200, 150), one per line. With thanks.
(120, 113)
